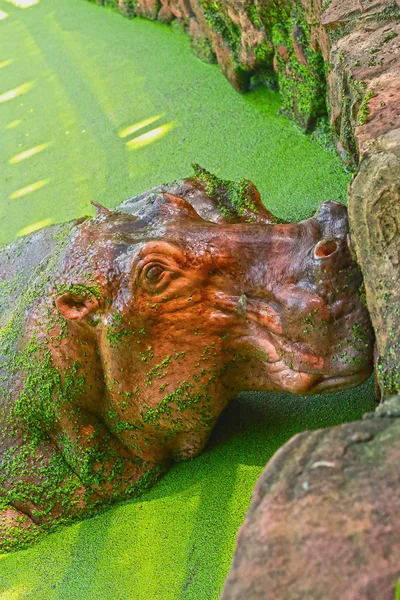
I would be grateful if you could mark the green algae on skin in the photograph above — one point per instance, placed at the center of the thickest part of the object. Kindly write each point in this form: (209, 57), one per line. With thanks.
(36, 395)
(235, 192)
(184, 529)
(116, 330)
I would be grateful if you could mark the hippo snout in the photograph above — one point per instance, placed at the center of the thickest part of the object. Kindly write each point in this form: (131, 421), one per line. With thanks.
(332, 216)
(332, 249)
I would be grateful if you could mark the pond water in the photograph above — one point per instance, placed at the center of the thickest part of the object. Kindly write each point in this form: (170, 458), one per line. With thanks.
(96, 107)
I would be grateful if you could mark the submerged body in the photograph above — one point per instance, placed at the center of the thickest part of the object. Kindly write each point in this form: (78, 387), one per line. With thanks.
(125, 336)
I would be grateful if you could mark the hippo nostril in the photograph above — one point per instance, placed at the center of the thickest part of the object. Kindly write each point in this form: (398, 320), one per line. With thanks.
(325, 248)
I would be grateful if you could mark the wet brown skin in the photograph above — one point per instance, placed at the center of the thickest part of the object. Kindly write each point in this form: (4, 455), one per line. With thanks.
(162, 318)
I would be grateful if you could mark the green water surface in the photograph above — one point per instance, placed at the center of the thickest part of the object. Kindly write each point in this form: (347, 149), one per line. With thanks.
(96, 107)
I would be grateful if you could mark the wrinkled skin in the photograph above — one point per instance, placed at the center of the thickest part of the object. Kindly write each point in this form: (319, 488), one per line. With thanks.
(148, 325)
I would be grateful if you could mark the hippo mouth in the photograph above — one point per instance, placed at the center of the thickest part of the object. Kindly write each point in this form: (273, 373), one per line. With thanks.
(308, 362)
(339, 382)
(288, 379)
(306, 373)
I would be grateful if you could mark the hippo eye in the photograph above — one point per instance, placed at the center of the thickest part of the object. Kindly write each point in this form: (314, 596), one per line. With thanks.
(154, 273)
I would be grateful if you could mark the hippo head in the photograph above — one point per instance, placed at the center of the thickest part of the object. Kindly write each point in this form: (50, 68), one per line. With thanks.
(178, 313)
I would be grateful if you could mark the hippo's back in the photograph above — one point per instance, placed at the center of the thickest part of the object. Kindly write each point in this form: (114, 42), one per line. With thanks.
(23, 260)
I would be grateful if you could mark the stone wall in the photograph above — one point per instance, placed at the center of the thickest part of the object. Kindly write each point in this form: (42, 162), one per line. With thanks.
(271, 42)
(300, 45)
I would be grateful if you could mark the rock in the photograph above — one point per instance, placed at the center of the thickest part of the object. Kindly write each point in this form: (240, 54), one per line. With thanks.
(374, 206)
(323, 522)
(255, 49)
(381, 111)
(283, 52)
(319, 38)
(300, 71)
(238, 77)
(363, 84)
(200, 44)
(181, 9)
(344, 156)
(165, 13)
(341, 12)
(148, 9)
(199, 26)
(364, 96)
(298, 46)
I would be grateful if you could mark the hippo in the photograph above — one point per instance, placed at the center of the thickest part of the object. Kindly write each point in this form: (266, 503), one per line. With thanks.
(124, 336)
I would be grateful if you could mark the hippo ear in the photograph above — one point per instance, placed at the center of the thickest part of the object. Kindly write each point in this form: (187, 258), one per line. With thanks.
(178, 204)
(100, 209)
(169, 206)
(75, 306)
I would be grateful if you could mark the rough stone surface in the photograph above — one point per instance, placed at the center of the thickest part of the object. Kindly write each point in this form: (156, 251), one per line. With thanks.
(148, 9)
(319, 38)
(364, 96)
(363, 84)
(341, 12)
(374, 205)
(323, 522)
(165, 14)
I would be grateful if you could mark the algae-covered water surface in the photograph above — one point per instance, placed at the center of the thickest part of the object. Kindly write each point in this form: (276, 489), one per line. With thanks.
(96, 107)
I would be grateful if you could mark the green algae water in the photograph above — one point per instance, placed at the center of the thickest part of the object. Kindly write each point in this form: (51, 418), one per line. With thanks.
(96, 107)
